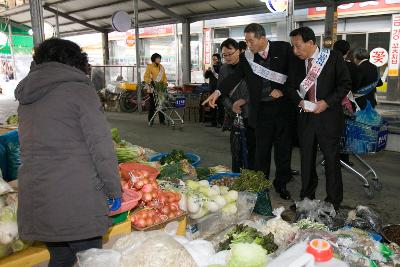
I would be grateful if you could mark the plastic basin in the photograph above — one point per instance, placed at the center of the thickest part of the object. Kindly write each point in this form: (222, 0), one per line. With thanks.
(193, 157)
(222, 174)
(129, 169)
(128, 205)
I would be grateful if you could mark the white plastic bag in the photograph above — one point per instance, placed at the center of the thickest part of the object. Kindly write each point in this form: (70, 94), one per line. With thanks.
(200, 250)
(99, 258)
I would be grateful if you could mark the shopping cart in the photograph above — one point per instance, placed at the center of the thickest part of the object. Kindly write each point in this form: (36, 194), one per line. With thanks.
(168, 104)
(362, 139)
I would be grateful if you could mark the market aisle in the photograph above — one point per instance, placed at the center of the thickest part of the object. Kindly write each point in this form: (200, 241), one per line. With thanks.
(213, 147)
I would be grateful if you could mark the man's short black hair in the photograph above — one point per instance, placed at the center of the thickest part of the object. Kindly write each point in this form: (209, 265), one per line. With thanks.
(242, 45)
(61, 51)
(361, 53)
(154, 56)
(341, 46)
(255, 28)
(218, 56)
(230, 43)
(306, 34)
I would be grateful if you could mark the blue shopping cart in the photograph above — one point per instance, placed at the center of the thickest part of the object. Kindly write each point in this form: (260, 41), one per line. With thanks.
(361, 139)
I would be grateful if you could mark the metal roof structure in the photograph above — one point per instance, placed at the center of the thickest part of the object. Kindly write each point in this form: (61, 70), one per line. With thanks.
(77, 16)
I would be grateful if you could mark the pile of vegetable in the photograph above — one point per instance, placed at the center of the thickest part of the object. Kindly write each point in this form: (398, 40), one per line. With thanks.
(247, 255)
(219, 169)
(126, 151)
(201, 199)
(224, 181)
(245, 234)
(157, 206)
(12, 120)
(176, 155)
(181, 170)
(251, 181)
(202, 173)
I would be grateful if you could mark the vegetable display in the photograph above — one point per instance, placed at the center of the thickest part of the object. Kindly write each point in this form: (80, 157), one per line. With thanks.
(175, 156)
(202, 198)
(12, 120)
(245, 234)
(251, 181)
(182, 170)
(115, 135)
(247, 255)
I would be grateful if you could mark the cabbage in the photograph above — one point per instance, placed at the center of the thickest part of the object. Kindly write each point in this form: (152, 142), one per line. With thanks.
(247, 255)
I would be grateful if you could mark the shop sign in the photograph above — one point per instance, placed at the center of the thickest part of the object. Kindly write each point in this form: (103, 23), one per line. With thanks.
(361, 8)
(394, 54)
(130, 40)
(379, 56)
(207, 46)
(276, 6)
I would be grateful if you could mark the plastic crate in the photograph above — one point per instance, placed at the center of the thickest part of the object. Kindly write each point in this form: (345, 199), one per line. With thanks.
(360, 138)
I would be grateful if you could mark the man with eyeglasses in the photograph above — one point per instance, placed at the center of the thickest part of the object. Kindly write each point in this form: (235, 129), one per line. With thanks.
(264, 68)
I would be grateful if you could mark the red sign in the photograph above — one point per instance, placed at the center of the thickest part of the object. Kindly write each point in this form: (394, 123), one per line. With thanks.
(362, 8)
(207, 46)
(394, 54)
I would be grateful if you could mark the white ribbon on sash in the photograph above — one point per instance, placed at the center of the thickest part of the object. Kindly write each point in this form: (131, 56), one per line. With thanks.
(160, 74)
(316, 68)
(214, 73)
(263, 71)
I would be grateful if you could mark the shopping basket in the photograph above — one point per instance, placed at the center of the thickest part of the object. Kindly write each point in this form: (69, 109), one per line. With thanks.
(361, 139)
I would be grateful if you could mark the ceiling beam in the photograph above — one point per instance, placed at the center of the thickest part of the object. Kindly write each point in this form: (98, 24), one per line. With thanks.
(163, 9)
(64, 15)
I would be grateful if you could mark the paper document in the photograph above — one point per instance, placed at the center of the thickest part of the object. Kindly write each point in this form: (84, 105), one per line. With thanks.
(309, 105)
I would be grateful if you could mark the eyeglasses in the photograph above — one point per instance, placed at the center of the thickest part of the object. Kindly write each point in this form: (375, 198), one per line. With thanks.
(228, 55)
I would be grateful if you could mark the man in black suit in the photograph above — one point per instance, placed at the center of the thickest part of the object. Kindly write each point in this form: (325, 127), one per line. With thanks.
(369, 76)
(268, 106)
(213, 74)
(322, 120)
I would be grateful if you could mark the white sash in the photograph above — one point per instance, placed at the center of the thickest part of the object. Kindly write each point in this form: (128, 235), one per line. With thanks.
(263, 71)
(160, 74)
(317, 66)
(214, 73)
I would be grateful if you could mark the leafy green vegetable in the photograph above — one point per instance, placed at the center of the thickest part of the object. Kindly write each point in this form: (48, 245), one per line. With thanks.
(247, 255)
(115, 135)
(13, 119)
(245, 234)
(202, 173)
(251, 181)
(172, 170)
(126, 154)
(175, 156)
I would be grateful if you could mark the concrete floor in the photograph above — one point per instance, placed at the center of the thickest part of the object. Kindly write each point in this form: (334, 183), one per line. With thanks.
(213, 147)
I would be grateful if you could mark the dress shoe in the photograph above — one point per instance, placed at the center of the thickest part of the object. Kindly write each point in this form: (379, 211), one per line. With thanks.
(293, 207)
(294, 172)
(282, 191)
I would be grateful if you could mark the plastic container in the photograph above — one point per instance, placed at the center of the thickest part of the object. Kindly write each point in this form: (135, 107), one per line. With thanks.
(222, 174)
(320, 249)
(193, 157)
(119, 218)
(297, 256)
(131, 169)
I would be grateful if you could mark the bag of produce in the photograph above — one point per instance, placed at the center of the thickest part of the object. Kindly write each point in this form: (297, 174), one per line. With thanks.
(99, 258)
(365, 218)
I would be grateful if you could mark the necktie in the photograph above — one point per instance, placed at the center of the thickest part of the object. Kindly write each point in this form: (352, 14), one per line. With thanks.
(311, 92)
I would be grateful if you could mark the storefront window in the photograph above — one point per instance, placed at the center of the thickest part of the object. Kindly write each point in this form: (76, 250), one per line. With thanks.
(378, 39)
(356, 40)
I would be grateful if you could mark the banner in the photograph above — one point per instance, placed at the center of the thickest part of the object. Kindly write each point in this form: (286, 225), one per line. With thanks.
(207, 46)
(394, 52)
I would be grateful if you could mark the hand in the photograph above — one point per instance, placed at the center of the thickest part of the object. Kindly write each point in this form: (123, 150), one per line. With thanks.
(211, 99)
(114, 203)
(302, 106)
(236, 107)
(276, 93)
(321, 106)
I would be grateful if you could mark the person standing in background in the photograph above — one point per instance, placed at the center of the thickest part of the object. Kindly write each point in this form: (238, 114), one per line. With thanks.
(155, 72)
(213, 74)
(369, 77)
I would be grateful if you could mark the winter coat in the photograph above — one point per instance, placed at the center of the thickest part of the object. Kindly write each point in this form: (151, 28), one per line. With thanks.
(69, 167)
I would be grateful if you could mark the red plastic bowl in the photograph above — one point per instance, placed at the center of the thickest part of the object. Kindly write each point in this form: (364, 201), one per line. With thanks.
(320, 249)
(130, 169)
(128, 205)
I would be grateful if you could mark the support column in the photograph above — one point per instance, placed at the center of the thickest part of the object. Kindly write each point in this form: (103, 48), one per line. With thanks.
(137, 45)
(106, 50)
(11, 44)
(177, 55)
(186, 52)
(290, 18)
(330, 35)
(57, 25)
(36, 10)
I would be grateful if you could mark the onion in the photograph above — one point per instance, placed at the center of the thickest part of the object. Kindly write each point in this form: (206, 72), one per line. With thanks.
(145, 181)
(165, 210)
(139, 184)
(154, 194)
(147, 197)
(149, 221)
(141, 223)
(157, 220)
(173, 207)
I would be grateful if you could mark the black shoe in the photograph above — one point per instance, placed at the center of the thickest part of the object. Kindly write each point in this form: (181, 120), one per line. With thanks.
(293, 207)
(294, 172)
(283, 192)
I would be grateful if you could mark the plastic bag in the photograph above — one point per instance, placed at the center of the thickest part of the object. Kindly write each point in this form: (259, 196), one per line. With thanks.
(369, 116)
(365, 218)
(5, 187)
(211, 224)
(200, 250)
(11, 143)
(315, 210)
(162, 250)
(99, 258)
(263, 204)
